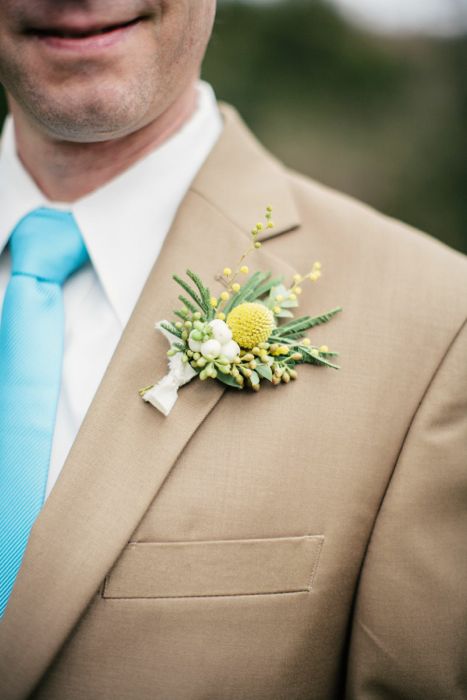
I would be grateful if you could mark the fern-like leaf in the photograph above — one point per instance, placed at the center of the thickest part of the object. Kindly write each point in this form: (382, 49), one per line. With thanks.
(191, 292)
(171, 329)
(204, 291)
(186, 302)
(247, 291)
(296, 328)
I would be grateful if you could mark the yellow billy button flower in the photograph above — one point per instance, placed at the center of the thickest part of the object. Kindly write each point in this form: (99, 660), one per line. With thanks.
(251, 323)
(235, 287)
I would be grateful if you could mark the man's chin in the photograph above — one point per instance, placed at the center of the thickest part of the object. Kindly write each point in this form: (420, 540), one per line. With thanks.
(86, 120)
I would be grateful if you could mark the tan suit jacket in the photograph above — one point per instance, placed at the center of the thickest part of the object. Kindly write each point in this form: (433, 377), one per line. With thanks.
(305, 542)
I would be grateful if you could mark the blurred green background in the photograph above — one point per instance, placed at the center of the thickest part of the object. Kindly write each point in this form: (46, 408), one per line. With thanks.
(382, 117)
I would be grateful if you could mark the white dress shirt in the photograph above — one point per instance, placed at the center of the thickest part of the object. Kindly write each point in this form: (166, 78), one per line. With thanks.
(123, 224)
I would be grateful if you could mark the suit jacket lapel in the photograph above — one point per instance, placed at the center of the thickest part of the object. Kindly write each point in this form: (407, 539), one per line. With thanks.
(125, 448)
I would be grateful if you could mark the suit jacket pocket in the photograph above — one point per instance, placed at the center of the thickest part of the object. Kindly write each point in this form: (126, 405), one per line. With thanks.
(215, 568)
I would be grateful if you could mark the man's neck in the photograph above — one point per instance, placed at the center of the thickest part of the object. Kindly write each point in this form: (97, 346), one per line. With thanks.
(66, 171)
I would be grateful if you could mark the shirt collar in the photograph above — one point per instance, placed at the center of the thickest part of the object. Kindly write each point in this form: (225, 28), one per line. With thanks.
(124, 223)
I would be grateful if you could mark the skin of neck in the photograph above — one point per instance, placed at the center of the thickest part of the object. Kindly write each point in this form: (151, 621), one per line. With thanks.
(66, 171)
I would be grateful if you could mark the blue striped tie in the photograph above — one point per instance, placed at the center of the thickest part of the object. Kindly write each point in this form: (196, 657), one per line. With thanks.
(46, 248)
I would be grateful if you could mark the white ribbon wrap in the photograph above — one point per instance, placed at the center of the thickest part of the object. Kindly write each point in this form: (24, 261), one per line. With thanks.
(165, 393)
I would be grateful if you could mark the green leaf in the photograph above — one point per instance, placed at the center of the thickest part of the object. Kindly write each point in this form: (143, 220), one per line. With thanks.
(264, 371)
(245, 291)
(204, 292)
(186, 302)
(284, 314)
(263, 289)
(289, 303)
(275, 291)
(298, 326)
(171, 329)
(254, 379)
(229, 380)
(316, 360)
(191, 292)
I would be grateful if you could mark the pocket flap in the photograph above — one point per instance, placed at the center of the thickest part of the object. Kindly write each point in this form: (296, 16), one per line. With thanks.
(215, 568)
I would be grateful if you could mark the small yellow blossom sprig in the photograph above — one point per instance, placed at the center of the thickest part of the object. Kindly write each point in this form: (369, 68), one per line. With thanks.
(229, 278)
(237, 336)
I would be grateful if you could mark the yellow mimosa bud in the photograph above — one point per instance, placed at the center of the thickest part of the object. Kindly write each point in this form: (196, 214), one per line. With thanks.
(236, 287)
(225, 296)
(324, 348)
(306, 341)
(213, 302)
(297, 290)
(259, 227)
(258, 244)
(244, 269)
(279, 298)
(227, 272)
(297, 278)
(220, 316)
(277, 309)
(270, 224)
(317, 266)
(313, 276)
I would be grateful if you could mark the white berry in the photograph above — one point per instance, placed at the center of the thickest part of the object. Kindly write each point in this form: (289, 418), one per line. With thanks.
(194, 345)
(230, 350)
(211, 348)
(221, 331)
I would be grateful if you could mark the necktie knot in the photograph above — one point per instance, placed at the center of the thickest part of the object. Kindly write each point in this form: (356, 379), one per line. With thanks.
(47, 244)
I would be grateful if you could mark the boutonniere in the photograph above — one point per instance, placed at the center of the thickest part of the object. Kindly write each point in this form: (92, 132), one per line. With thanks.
(244, 336)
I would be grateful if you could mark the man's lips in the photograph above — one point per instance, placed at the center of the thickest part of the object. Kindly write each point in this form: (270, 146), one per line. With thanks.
(83, 36)
(70, 31)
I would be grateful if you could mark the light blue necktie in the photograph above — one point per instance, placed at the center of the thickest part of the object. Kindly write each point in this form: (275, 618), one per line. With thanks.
(46, 248)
